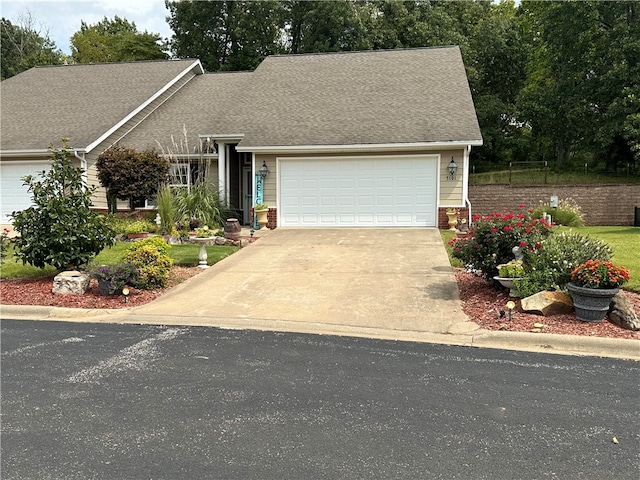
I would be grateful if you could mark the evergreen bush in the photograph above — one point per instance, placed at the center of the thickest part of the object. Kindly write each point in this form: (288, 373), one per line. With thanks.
(60, 229)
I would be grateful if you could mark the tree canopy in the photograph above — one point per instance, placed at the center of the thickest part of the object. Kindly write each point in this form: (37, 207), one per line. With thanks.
(116, 40)
(23, 46)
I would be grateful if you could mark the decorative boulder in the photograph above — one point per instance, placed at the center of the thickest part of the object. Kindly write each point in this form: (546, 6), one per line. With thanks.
(547, 303)
(621, 313)
(71, 282)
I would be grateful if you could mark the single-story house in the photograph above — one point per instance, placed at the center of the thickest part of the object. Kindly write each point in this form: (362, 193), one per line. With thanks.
(352, 139)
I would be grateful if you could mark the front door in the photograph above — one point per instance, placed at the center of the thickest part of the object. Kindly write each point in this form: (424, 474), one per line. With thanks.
(247, 194)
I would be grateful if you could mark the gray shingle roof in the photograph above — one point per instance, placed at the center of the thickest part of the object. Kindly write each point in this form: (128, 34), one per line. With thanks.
(81, 102)
(209, 103)
(371, 97)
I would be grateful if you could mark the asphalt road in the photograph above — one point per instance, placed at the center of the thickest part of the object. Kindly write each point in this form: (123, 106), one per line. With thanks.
(89, 401)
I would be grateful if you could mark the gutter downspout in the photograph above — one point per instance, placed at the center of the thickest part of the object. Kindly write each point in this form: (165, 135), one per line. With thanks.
(83, 166)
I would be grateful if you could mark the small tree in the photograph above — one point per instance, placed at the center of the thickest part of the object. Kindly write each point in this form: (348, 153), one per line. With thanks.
(130, 175)
(60, 229)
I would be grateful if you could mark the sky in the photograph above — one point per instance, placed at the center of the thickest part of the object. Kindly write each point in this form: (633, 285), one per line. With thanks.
(61, 18)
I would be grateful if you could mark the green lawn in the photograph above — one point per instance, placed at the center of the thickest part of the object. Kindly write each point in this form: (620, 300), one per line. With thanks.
(183, 255)
(625, 242)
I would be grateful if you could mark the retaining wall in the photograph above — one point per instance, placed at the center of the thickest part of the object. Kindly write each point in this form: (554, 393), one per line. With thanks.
(600, 204)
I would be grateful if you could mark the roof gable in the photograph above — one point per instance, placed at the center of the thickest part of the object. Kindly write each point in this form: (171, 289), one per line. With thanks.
(82, 102)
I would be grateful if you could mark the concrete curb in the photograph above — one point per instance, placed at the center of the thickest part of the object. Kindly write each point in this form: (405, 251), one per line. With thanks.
(470, 335)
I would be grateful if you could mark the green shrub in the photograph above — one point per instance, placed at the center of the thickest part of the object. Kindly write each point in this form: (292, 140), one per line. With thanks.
(201, 205)
(493, 237)
(5, 241)
(151, 258)
(563, 252)
(535, 281)
(158, 242)
(131, 175)
(60, 229)
(567, 213)
(138, 226)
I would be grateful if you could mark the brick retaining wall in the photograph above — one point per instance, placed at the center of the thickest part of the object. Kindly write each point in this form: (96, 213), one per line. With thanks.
(600, 204)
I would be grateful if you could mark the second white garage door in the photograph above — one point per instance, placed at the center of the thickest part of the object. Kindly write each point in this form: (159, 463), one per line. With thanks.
(15, 195)
(358, 192)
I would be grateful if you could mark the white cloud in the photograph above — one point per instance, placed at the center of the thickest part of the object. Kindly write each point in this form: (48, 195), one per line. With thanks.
(61, 19)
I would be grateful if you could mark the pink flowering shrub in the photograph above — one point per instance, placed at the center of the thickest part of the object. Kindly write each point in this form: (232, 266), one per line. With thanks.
(492, 238)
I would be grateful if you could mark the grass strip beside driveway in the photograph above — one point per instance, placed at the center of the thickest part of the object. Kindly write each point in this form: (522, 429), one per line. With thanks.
(183, 255)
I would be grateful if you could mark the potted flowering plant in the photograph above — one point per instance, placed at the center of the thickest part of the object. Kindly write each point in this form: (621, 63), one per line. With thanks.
(599, 274)
(507, 273)
(453, 214)
(113, 278)
(204, 232)
(593, 284)
(262, 211)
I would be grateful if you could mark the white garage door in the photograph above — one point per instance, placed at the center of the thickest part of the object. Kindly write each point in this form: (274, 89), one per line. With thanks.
(14, 194)
(358, 192)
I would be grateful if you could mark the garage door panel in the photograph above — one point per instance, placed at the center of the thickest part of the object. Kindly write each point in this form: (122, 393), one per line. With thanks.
(348, 192)
(385, 200)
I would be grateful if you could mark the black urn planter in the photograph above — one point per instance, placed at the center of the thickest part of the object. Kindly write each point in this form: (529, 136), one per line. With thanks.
(591, 304)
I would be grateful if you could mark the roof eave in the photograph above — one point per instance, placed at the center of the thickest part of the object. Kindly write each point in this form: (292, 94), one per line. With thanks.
(24, 153)
(382, 147)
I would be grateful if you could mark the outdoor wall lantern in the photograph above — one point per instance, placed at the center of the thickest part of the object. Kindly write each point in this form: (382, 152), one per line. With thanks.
(453, 169)
(263, 170)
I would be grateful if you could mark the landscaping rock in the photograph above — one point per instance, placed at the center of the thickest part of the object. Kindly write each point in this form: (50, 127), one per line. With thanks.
(547, 303)
(622, 314)
(71, 282)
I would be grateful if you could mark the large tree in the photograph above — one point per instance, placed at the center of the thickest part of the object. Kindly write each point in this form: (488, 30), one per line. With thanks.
(23, 45)
(225, 35)
(579, 97)
(116, 40)
(496, 67)
(320, 26)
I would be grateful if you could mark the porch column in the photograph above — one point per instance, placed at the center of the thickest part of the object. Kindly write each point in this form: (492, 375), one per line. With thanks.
(222, 171)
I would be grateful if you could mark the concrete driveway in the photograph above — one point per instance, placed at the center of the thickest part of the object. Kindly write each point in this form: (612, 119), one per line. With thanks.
(374, 282)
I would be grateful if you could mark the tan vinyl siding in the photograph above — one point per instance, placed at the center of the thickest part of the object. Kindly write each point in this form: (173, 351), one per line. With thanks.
(451, 190)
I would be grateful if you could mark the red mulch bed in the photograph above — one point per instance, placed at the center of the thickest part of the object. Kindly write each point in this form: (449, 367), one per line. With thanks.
(483, 303)
(38, 292)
